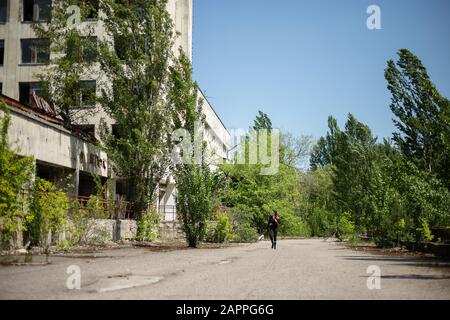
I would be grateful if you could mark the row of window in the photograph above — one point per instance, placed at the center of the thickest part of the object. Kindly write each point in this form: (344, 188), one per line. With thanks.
(40, 10)
(85, 98)
(37, 51)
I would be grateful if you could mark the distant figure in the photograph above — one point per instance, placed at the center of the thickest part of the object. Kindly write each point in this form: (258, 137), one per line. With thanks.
(274, 221)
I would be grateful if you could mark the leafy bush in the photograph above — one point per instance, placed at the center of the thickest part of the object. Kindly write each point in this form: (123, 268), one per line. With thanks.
(15, 172)
(294, 226)
(49, 207)
(148, 226)
(95, 208)
(425, 232)
(345, 226)
(221, 229)
(80, 223)
(245, 232)
(196, 188)
(242, 225)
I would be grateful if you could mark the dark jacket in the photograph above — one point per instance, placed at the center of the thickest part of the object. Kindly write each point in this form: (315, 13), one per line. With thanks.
(272, 224)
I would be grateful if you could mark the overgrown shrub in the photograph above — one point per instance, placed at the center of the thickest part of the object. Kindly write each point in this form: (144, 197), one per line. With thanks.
(48, 209)
(148, 226)
(245, 232)
(79, 224)
(424, 230)
(345, 226)
(293, 226)
(221, 230)
(95, 208)
(15, 172)
(242, 225)
(321, 222)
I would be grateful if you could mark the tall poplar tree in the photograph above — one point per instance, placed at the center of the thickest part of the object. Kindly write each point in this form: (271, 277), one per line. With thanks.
(196, 182)
(420, 115)
(135, 56)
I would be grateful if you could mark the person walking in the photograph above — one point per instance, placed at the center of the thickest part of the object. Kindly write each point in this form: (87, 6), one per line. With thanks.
(274, 221)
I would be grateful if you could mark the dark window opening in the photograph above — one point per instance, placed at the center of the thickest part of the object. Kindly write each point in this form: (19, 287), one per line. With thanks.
(86, 128)
(90, 49)
(53, 173)
(82, 49)
(115, 131)
(2, 51)
(88, 187)
(3, 10)
(35, 51)
(120, 47)
(37, 10)
(88, 89)
(26, 90)
(92, 9)
(121, 188)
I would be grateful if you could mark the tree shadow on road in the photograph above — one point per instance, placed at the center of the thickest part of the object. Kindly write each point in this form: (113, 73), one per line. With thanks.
(421, 261)
(416, 277)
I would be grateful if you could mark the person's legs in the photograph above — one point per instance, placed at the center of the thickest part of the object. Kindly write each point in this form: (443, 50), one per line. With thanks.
(275, 232)
(271, 235)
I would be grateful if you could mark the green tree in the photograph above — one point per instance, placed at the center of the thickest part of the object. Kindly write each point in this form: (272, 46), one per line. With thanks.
(135, 58)
(294, 150)
(15, 173)
(262, 121)
(318, 202)
(354, 169)
(420, 115)
(324, 151)
(379, 191)
(49, 207)
(196, 183)
(252, 196)
(72, 58)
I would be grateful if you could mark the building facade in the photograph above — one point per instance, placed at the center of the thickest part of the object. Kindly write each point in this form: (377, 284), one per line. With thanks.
(22, 59)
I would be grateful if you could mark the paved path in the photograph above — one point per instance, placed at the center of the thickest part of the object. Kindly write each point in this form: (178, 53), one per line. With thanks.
(299, 269)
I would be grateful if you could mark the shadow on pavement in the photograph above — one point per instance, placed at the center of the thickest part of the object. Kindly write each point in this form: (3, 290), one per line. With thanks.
(433, 261)
(416, 277)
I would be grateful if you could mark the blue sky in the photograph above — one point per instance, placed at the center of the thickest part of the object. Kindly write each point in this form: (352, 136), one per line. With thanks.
(302, 60)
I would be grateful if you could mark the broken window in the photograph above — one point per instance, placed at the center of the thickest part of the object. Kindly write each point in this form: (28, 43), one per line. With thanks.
(35, 51)
(90, 49)
(26, 90)
(86, 128)
(87, 94)
(82, 49)
(2, 51)
(3, 10)
(37, 10)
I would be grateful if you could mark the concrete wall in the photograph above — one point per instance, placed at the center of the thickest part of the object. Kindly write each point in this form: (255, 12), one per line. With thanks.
(182, 12)
(125, 229)
(53, 144)
(216, 134)
(171, 231)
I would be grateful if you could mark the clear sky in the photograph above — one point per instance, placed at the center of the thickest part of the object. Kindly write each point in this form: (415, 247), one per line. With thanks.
(302, 60)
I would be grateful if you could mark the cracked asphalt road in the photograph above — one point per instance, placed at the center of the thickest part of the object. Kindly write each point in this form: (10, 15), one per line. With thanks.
(299, 269)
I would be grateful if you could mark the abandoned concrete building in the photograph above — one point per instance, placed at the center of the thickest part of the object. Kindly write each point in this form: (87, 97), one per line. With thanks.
(58, 153)
(40, 133)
